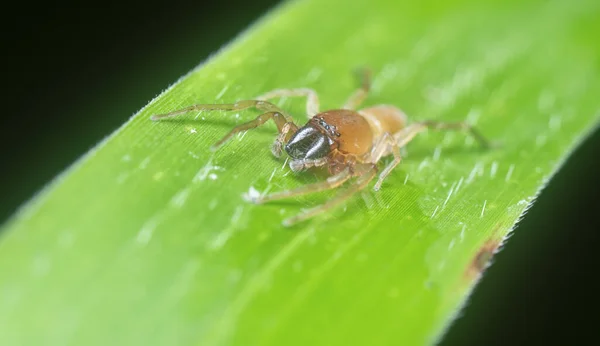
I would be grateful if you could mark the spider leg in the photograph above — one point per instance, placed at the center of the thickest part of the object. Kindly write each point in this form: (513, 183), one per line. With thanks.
(331, 183)
(365, 173)
(285, 123)
(407, 134)
(387, 144)
(304, 164)
(238, 106)
(283, 126)
(284, 135)
(312, 99)
(392, 144)
(361, 93)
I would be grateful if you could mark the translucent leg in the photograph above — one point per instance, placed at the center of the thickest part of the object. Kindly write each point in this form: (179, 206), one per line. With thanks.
(331, 183)
(360, 94)
(312, 99)
(392, 144)
(284, 135)
(301, 165)
(407, 134)
(240, 105)
(366, 174)
(386, 145)
(283, 127)
(284, 122)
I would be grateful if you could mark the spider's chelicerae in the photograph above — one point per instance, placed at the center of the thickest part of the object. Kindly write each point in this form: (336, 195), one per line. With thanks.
(348, 142)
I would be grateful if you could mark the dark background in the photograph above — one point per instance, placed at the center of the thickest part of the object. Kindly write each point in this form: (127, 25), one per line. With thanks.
(66, 67)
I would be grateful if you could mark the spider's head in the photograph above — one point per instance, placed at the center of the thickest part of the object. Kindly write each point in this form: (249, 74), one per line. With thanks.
(308, 143)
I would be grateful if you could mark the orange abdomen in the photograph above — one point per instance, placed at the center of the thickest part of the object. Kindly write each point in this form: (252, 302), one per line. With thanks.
(384, 118)
(355, 135)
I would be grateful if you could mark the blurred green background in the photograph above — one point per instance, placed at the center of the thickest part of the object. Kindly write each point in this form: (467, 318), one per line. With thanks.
(108, 62)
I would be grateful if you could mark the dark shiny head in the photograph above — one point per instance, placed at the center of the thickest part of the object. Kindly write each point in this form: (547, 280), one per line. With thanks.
(308, 143)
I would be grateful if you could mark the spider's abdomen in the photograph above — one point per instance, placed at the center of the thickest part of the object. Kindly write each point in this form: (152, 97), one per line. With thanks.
(348, 128)
(384, 118)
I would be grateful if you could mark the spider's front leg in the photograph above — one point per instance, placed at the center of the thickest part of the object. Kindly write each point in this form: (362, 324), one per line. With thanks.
(364, 173)
(328, 184)
(284, 135)
(284, 122)
(238, 106)
(284, 127)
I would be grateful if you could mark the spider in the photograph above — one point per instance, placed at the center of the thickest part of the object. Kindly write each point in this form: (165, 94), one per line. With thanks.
(348, 142)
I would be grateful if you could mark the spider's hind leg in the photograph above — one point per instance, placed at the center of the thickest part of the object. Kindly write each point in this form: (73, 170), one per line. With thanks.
(407, 134)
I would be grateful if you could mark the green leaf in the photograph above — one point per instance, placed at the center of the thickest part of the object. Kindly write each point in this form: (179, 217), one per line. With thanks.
(147, 240)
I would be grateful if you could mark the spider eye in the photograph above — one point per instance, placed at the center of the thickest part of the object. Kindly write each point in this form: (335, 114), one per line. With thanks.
(308, 143)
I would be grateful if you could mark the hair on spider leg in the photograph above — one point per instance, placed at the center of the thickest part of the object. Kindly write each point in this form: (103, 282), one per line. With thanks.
(348, 142)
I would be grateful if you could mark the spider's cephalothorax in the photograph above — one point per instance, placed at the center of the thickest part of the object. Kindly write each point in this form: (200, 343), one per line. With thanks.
(349, 142)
